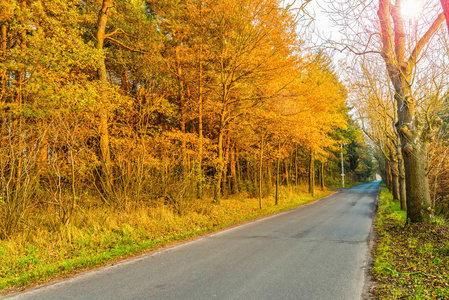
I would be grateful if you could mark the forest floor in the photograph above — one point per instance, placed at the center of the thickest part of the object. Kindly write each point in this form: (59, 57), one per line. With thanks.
(410, 261)
(99, 235)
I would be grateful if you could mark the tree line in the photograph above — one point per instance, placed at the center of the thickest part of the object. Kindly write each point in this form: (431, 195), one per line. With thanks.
(135, 102)
(400, 96)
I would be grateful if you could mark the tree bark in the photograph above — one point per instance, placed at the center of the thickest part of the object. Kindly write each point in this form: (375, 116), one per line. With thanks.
(445, 5)
(394, 168)
(103, 125)
(200, 121)
(278, 164)
(225, 187)
(402, 184)
(395, 178)
(296, 167)
(3, 74)
(260, 172)
(233, 164)
(312, 174)
(322, 176)
(388, 175)
(239, 169)
(270, 182)
(220, 162)
(182, 112)
(413, 132)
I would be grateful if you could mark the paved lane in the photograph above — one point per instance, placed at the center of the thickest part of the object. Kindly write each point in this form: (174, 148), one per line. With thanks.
(317, 251)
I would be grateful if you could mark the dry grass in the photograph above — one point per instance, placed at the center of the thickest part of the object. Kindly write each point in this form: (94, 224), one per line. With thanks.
(98, 235)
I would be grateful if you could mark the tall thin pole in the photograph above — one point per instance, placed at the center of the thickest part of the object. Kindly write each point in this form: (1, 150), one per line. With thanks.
(342, 167)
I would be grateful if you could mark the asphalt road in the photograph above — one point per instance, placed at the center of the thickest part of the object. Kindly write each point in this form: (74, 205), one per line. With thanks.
(317, 251)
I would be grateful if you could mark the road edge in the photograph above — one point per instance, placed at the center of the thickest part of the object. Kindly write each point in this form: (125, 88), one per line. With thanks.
(371, 241)
(7, 293)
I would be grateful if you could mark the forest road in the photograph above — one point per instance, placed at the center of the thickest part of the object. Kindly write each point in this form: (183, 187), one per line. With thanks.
(317, 251)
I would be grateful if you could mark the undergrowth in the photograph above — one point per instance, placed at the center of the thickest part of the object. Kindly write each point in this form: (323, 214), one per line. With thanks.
(100, 235)
(410, 261)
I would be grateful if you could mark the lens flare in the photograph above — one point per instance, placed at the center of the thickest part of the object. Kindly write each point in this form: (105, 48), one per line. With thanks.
(411, 9)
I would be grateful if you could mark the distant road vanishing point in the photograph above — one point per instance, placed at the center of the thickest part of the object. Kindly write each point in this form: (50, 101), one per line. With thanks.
(317, 251)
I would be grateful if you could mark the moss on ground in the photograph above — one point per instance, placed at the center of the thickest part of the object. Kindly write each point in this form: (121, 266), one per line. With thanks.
(410, 261)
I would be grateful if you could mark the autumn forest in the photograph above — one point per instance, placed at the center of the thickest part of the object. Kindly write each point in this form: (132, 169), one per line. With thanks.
(144, 116)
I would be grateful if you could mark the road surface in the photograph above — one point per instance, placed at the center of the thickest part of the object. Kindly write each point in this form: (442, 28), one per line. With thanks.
(317, 251)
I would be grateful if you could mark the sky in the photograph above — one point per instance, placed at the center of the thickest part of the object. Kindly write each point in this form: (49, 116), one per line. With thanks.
(322, 28)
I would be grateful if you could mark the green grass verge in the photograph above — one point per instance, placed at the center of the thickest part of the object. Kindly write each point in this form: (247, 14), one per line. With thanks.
(410, 261)
(98, 236)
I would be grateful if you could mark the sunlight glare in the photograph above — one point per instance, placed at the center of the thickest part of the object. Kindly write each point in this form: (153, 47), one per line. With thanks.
(411, 9)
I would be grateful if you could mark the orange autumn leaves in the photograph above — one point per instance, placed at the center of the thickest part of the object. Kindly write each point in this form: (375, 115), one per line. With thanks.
(192, 89)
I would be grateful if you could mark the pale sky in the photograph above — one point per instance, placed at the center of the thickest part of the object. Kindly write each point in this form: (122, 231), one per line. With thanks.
(322, 28)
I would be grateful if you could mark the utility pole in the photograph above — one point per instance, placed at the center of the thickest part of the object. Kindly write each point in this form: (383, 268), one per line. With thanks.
(342, 167)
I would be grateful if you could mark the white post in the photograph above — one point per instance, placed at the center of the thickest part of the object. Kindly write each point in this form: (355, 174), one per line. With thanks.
(342, 167)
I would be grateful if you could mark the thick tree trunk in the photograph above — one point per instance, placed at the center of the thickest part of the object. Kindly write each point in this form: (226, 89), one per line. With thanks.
(414, 146)
(414, 133)
(394, 177)
(419, 206)
(402, 185)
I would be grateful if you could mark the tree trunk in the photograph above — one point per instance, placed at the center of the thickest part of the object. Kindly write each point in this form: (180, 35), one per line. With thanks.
(3, 73)
(394, 176)
(402, 185)
(200, 119)
(414, 146)
(296, 167)
(239, 169)
(248, 171)
(220, 163)
(388, 175)
(182, 112)
(419, 206)
(270, 183)
(225, 190)
(233, 164)
(445, 5)
(312, 174)
(278, 164)
(260, 172)
(322, 176)
(103, 126)
(414, 133)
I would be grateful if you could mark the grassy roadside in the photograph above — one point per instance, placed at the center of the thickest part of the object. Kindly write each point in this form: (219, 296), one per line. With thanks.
(410, 261)
(98, 236)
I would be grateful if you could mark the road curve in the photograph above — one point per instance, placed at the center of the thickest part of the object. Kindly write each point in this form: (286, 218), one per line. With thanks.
(317, 251)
